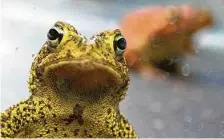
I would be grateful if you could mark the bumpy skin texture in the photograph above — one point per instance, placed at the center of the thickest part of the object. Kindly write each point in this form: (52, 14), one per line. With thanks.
(76, 88)
(159, 38)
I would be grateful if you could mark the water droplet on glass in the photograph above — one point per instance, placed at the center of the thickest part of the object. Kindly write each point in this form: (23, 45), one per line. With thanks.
(196, 50)
(186, 126)
(17, 48)
(208, 72)
(158, 124)
(222, 133)
(172, 60)
(200, 126)
(188, 119)
(149, 98)
(187, 122)
(220, 95)
(186, 70)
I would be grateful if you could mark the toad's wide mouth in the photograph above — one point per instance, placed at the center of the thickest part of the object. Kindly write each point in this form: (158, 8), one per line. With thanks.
(83, 74)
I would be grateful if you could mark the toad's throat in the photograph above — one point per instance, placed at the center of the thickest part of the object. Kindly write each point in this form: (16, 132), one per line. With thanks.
(84, 74)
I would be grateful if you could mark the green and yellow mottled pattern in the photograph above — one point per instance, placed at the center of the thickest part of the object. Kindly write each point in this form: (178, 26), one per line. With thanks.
(76, 86)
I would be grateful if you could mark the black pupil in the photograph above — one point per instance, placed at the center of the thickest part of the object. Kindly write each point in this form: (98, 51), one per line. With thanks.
(121, 43)
(53, 34)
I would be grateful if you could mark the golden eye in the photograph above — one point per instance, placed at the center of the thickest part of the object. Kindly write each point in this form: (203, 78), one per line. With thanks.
(54, 37)
(119, 45)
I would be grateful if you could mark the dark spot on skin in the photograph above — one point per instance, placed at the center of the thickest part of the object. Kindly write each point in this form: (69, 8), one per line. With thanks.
(124, 85)
(41, 102)
(106, 54)
(30, 102)
(49, 107)
(80, 44)
(44, 121)
(109, 111)
(38, 73)
(83, 48)
(22, 124)
(76, 131)
(85, 132)
(65, 135)
(55, 129)
(107, 122)
(128, 128)
(2, 125)
(29, 109)
(125, 121)
(112, 128)
(34, 120)
(69, 120)
(3, 135)
(39, 59)
(100, 132)
(97, 45)
(34, 110)
(69, 54)
(18, 111)
(90, 136)
(119, 134)
(42, 115)
(26, 115)
(27, 121)
(9, 116)
(76, 116)
(17, 127)
(48, 98)
(48, 131)
(75, 30)
(6, 118)
(108, 49)
(81, 121)
(14, 119)
(88, 54)
(54, 115)
(132, 133)
(40, 135)
(9, 126)
(77, 112)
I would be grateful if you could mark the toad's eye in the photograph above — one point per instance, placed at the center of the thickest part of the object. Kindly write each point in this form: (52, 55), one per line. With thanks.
(54, 37)
(119, 45)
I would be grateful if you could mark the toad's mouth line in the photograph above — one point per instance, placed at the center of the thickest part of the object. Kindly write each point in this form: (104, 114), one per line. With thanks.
(84, 73)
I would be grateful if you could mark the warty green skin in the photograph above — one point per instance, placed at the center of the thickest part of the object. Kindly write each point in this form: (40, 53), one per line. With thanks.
(76, 88)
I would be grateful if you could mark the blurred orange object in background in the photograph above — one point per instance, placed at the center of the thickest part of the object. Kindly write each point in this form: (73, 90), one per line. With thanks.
(159, 35)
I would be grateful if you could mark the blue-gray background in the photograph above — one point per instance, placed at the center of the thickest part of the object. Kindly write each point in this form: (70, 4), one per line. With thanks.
(188, 107)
